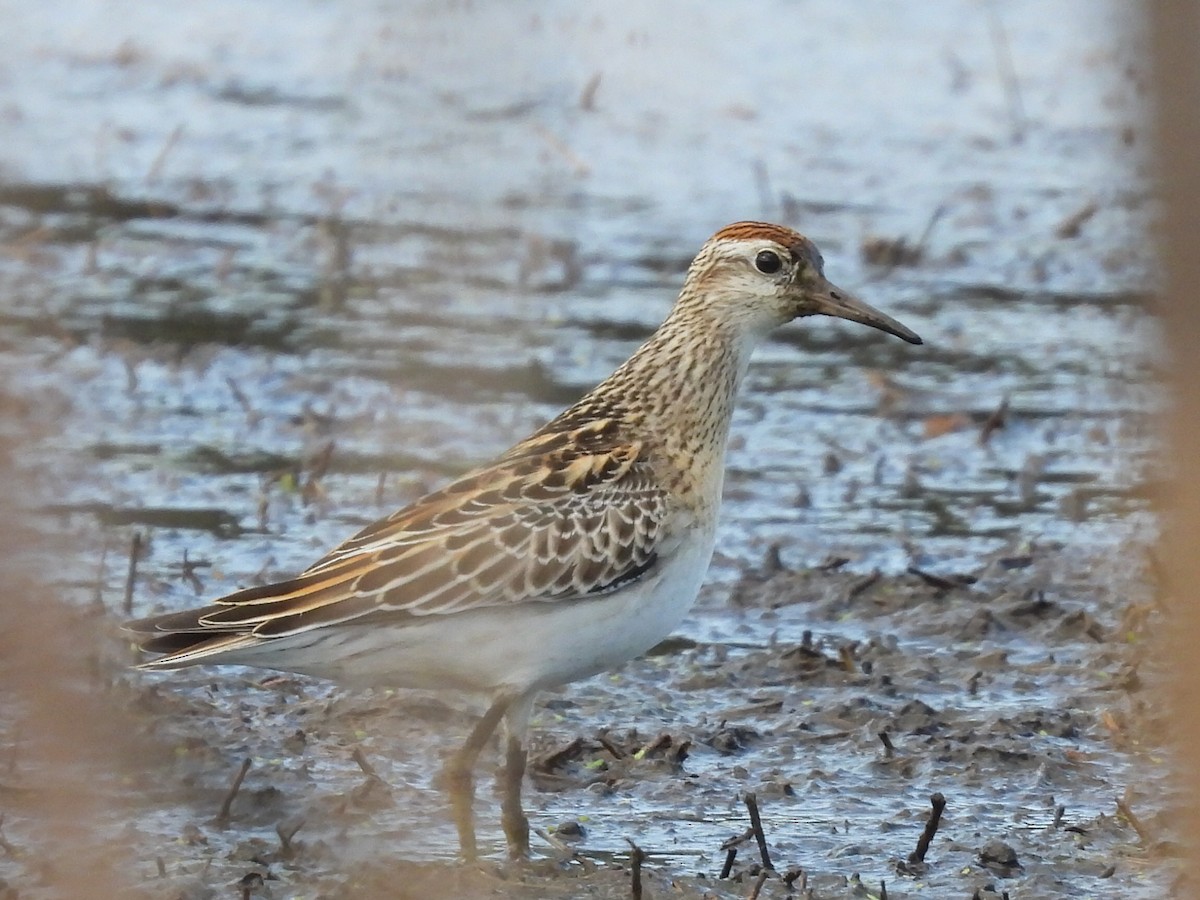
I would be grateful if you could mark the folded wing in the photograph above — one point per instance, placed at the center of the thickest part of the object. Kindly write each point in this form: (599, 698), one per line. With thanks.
(563, 516)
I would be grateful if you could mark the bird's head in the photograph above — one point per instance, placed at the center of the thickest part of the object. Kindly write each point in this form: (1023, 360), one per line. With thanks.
(764, 275)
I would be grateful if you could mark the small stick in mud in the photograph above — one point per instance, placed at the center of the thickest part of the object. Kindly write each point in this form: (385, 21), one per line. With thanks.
(751, 801)
(846, 656)
(135, 550)
(1059, 812)
(318, 464)
(312, 490)
(554, 842)
(160, 160)
(832, 563)
(250, 883)
(863, 583)
(373, 778)
(738, 840)
(731, 848)
(923, 240)
(1007, 71)
(730, 856)
(931, 827)
(994, 422)
(556, 755)
(264, 510)
(363, 763)
(772, 563)
(253, 416)
(889, 749)
(587, 97)
(287, 831)
(227, 803)
(606, 742)
(883, 894)
(636, 856)
(889, 252)
(940, 583)
(973, 683)
(1128, 814)
(660, 742)
(187, 571)
(98, 590)
(758, 884)
(261, 576)
(1072, 225)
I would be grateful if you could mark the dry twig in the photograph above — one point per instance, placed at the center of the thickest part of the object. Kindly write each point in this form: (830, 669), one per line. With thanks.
(931, 826)
(135, 550)
(227, 803)
(636, 856)
(751, 801)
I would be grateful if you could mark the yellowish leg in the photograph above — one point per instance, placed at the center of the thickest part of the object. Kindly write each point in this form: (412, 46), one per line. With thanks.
(512, 817)
(460, 780)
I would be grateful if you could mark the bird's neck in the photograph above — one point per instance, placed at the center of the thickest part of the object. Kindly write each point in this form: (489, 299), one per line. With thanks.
(680, 388)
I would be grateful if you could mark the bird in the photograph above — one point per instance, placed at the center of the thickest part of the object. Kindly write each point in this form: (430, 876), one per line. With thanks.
(578, 549)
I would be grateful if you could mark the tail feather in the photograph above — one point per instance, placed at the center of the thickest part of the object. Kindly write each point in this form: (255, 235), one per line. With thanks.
(203, 652)
(186, 621)
(184, 640)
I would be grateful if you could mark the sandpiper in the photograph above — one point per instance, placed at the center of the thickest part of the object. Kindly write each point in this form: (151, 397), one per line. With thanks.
(578, 549)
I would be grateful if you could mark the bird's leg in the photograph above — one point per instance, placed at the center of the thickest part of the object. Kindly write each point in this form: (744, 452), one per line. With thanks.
(459, 780)
(512, 817)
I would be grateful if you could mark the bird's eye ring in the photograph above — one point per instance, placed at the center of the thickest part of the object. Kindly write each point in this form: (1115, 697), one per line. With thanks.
(768, 262)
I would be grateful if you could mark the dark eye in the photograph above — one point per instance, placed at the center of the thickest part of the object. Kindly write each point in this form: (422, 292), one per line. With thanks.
(768, 262)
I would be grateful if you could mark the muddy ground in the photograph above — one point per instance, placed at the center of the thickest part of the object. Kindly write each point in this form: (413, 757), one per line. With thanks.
(270, 272)
(842, 702)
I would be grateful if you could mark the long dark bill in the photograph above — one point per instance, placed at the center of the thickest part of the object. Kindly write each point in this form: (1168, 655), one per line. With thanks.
(833, 301)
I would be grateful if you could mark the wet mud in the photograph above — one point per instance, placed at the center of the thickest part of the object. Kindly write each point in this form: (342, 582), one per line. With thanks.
(1020, 693)
(286, 276)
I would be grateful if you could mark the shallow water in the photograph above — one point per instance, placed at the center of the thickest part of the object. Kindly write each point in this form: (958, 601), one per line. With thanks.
(233, 236)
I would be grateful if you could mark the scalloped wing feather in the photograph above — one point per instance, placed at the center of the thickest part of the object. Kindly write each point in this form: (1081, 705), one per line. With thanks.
(564, 515)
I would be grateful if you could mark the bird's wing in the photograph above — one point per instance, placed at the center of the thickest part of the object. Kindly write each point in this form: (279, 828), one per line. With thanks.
(564, 515)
